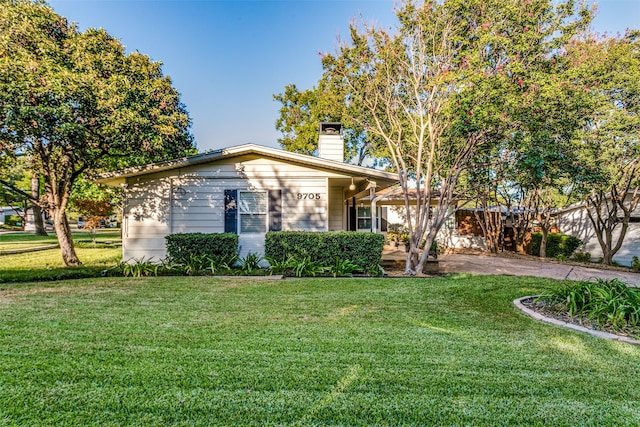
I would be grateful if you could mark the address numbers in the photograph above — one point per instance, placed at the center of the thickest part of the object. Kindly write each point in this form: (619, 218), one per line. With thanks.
(308, 196)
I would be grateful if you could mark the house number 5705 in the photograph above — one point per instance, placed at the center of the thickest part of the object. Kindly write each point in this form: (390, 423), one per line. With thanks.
(310, 196)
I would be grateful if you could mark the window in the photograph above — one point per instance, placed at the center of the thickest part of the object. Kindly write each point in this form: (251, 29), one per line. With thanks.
(252, 207)
(450, 220)
(364, 218)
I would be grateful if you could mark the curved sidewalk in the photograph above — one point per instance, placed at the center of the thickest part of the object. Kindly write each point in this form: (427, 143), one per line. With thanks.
(486, 264)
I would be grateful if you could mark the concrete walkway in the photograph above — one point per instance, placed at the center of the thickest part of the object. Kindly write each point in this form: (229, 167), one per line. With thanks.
(486, 264)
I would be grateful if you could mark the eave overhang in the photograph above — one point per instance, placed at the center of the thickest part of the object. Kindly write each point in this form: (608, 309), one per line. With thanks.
(120, 177)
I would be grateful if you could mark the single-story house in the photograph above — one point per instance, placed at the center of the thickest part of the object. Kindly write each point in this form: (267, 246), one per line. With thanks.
(573, 220)
(248, 190)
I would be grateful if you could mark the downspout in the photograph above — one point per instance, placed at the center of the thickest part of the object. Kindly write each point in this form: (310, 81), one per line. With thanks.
(171, 204)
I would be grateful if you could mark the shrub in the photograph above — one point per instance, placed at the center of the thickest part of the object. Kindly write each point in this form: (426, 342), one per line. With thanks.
(607, 303)
(251, 263)
(216, 247)
(284, 266)
(13, 220)
(557, 245)
(392, 237)
(139, 267)
(222, 265)
(306, 267)
(582, 256)
(342, 268)
(195, 264)
(364, 250)
(635, 263)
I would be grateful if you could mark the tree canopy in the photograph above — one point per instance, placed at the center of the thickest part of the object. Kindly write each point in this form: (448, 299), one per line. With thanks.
(443, 88)
(608, 173)
(76, 102)
(302, 112)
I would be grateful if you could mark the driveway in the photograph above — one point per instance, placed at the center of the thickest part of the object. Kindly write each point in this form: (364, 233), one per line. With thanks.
(486, 264)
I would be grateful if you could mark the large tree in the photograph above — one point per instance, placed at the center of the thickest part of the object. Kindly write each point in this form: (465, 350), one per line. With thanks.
(435, 90)
(609, 173)
(541, 158)
(302, 112)
(76, 102)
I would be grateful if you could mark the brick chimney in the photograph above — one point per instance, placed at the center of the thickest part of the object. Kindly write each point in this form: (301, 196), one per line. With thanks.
(330, 142)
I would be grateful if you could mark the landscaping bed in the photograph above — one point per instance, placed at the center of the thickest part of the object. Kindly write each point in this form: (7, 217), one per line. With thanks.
(604, 305)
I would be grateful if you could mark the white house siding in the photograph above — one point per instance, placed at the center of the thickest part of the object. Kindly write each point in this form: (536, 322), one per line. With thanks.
(197, 205)
(337, 209)
(452, 239)
(576, 222)
(191, 200)
(146, 219)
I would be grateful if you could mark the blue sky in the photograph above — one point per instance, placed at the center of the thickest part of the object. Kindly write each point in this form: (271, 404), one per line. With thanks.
(228, 58)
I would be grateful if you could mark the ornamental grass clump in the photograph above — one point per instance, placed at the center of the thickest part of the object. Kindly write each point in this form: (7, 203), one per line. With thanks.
(607, 304)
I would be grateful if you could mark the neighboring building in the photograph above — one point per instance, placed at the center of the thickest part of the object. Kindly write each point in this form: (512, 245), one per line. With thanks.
(573, 220)
(460, 231)
(7, 211)
(249, 190)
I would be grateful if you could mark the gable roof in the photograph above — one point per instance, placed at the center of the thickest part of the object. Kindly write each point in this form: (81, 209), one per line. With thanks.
(119, 177)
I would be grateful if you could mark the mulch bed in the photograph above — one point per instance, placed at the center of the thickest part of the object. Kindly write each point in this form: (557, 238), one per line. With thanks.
(549, 310)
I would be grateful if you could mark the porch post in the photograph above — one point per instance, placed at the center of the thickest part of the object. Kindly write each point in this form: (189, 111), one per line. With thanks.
(372, 196)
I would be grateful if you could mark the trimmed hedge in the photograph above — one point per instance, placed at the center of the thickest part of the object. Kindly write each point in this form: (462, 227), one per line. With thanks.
(558, 245)
(215, 246)
(362, 249)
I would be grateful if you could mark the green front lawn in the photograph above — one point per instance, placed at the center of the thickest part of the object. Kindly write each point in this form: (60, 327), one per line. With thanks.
(48, 264)
(215, 351)
(20, 240)
(9, 241)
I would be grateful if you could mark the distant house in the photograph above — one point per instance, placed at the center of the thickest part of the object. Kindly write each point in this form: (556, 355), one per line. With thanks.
(248, 190)
(8, 211)
(573, 220)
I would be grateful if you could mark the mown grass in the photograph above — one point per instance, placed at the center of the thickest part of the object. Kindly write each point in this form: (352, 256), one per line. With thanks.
(9, 241)
(241, 351)
(48, 264)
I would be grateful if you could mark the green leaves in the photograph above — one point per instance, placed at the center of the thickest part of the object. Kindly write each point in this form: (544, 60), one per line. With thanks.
(75, 102)
(606, 303)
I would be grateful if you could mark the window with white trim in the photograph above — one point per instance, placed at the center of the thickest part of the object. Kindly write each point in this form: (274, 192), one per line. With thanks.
(252, 209)
(364, 218)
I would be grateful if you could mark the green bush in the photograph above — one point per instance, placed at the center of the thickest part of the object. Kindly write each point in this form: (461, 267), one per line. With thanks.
(364, 250)
(13, 220)
(215, 246)
(635, 263)
(139, 267)
(250, 264)
(558, 245)
(582, 256)
(606, 303)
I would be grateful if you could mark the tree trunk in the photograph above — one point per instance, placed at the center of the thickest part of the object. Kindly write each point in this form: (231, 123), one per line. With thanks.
(490, 229)
(519, 235)
(425, 254)
(61, 226)
(604, 212)
(35, 208)
(607, 250)
(543, 242)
